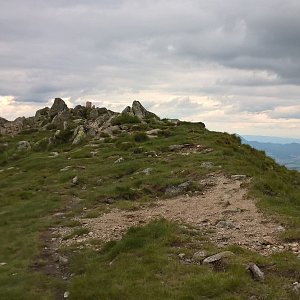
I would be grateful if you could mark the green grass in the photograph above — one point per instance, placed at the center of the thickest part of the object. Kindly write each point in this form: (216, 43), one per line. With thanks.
(145, 263)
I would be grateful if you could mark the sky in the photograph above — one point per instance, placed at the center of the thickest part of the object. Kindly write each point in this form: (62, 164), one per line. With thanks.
(234, 65)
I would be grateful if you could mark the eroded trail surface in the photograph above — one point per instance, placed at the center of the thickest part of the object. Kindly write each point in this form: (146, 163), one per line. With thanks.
(223, 211)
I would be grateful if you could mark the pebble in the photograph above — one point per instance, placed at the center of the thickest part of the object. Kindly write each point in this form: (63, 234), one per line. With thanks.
(181, 255)
(66, 294)
(3, 264)
(217, 257)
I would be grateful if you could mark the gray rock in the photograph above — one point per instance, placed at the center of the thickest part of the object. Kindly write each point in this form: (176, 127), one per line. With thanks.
(217, 257)
(181, 255)
(80, 133)
(256, 272)
(59, 105)
(153, 131)
(23, 145)
(178, 189)
(139, 110)
(3, 264)
(66, 294)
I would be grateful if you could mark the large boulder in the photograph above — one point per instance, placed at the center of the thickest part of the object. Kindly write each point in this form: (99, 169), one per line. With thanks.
(139, 111)
(59, 105)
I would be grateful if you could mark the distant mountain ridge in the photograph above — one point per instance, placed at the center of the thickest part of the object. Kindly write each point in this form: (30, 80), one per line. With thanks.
(287, 154)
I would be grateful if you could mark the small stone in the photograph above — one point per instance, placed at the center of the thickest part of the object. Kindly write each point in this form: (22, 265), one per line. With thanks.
(296, 288)
(75, 180)
(53, 154)
(217, 257)
(226, 224)
(238, 177)
(3, 264)
(63, 260)
(181, 255)
(65, 168)
(280, 228)
(119, 160)
(147, 171)
(66, 294)
(199, 255)
(256, 272)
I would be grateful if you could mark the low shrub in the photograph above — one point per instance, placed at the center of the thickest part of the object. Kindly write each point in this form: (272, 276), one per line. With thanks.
(125, 119)
(140, 137)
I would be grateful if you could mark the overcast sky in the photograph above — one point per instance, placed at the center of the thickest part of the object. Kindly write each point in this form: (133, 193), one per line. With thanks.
(234, 65)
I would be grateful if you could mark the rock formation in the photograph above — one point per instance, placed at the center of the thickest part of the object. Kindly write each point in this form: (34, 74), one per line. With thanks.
(83, 121)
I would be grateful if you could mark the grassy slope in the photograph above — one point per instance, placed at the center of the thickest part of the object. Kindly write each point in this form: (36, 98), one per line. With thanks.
(145, 262)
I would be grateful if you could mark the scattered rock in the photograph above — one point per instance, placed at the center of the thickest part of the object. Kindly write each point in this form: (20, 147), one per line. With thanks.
(23, 145)
(66, 294)
(3, 264)
(256, 272)
(217, 257)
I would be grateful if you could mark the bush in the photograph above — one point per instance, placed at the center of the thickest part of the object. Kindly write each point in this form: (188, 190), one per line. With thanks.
(125, 119)
(140, 137)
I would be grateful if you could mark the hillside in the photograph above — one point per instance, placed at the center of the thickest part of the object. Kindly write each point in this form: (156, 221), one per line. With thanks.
(97, 204)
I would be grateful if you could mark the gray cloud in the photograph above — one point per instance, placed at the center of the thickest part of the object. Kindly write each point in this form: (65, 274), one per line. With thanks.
(244, 54)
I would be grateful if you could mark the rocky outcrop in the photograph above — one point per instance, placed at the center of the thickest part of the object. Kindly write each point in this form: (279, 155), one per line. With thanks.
(139, 111)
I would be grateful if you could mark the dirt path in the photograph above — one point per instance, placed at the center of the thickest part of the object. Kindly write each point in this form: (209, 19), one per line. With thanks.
(223, 210)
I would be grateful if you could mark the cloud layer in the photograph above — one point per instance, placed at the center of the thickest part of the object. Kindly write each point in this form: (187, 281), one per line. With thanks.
(233, 64)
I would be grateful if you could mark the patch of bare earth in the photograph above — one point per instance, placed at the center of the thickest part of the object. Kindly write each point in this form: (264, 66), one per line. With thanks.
(223, 211)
